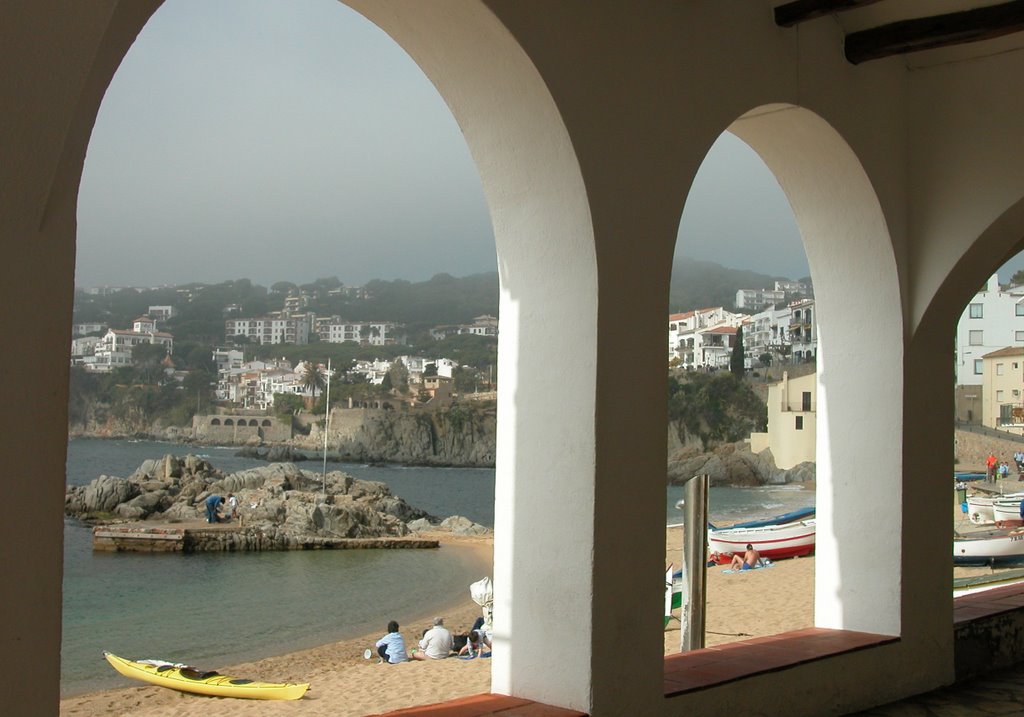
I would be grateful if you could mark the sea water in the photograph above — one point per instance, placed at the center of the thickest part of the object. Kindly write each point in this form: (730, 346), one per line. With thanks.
(215, 609)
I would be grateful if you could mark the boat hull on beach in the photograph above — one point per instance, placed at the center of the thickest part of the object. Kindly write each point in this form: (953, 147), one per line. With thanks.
(213, 684)
(787, 540)
(981, 508)
(990, 547)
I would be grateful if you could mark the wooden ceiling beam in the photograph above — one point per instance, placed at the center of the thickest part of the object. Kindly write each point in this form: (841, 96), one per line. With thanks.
(926, 33)
(793, 13)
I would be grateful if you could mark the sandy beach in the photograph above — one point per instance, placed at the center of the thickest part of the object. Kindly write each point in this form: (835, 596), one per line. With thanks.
(739, 606)
(761, 602)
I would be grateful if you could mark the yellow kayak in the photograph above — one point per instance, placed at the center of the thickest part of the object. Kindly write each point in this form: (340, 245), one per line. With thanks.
(188, 679)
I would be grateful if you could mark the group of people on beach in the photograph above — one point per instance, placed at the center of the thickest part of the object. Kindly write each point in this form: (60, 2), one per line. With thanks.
(996, 469)
(437, 643)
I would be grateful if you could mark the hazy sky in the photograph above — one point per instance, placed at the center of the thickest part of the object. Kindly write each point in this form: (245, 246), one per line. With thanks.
(291, 140)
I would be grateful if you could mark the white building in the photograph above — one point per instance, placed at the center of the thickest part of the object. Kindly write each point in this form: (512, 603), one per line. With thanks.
(160, 313)
(366, 333)
(755, 299)
(87, 328)
(84, 348)
(115, 349)
(803, 332)
(767, 332)
(144, 325)
(275, 328)
(698, 338)
(484, 325)
(994, 319)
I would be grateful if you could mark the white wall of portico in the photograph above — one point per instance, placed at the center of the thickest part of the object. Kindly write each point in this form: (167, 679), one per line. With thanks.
(588, 123)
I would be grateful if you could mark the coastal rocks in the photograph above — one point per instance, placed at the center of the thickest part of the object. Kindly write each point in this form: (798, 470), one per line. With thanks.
(455, 524)
(280, 505)
(458, 525)
(734, 465)
(103, 495)
(459, 436)
(273, 454)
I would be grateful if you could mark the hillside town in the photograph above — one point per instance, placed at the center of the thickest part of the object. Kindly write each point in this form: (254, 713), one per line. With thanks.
(777, 326)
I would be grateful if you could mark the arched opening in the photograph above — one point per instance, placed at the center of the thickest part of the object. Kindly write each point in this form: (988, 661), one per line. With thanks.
(978, 302)
(532, 246)
(741, 406)
(266, 422)
(253, 422)
(844, 232)
(215, 422)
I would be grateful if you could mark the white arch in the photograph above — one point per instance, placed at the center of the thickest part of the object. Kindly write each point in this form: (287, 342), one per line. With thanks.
(544, 488)
(857, 577)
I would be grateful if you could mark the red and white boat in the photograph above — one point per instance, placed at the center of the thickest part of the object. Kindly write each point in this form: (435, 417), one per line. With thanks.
(786, 540)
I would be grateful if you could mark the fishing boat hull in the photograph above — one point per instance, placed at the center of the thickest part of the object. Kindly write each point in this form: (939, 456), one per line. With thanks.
(992, 547)
(187, 679)
(789, 540)
(1007, 513)
(981, 508)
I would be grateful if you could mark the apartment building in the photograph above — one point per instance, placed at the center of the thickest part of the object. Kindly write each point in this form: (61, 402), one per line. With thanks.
(756, 299)
(803, 333)
(993, 320)
(276, 328)
(366, 333)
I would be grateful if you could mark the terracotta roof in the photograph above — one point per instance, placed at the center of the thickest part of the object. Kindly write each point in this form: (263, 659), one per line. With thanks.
(1008, 351)
(721, 330)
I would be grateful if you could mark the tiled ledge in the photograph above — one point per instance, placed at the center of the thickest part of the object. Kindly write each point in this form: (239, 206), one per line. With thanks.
(988, 603)
(486, 705)
(711, 666)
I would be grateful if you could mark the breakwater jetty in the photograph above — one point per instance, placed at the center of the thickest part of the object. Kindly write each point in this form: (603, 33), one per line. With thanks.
(201, 537)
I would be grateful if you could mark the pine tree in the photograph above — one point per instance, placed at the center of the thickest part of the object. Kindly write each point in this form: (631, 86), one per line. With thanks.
(738, 354)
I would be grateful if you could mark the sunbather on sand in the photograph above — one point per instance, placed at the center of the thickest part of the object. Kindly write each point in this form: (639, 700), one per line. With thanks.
(748, 561)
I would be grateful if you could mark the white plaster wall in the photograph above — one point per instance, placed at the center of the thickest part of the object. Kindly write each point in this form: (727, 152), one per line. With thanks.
(588, 123)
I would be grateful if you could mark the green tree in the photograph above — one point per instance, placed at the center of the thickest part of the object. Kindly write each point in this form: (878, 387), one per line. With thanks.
(736, 360)
(287, 403)
(765, 359)
(314, 377)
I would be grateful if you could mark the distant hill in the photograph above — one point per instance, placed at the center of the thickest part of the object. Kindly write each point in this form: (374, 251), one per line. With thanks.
(443, 299)
(704, 284)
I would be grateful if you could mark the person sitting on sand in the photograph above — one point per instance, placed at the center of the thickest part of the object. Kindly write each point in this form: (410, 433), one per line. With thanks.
(436, 643)
(748, 561)
(391, 647)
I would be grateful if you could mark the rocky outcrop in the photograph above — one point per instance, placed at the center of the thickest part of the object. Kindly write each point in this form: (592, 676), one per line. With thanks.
(279, 504)
(459, 436)
(273, 454)
(733, 464)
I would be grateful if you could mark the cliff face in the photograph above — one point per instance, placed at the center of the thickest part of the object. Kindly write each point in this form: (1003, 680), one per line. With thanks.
(459, 436)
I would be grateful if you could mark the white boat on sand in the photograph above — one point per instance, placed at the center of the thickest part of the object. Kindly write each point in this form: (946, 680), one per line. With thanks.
(787, 540)
(989, 547)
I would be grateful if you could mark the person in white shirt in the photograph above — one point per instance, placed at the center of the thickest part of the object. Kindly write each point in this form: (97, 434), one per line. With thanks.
(436, 643)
